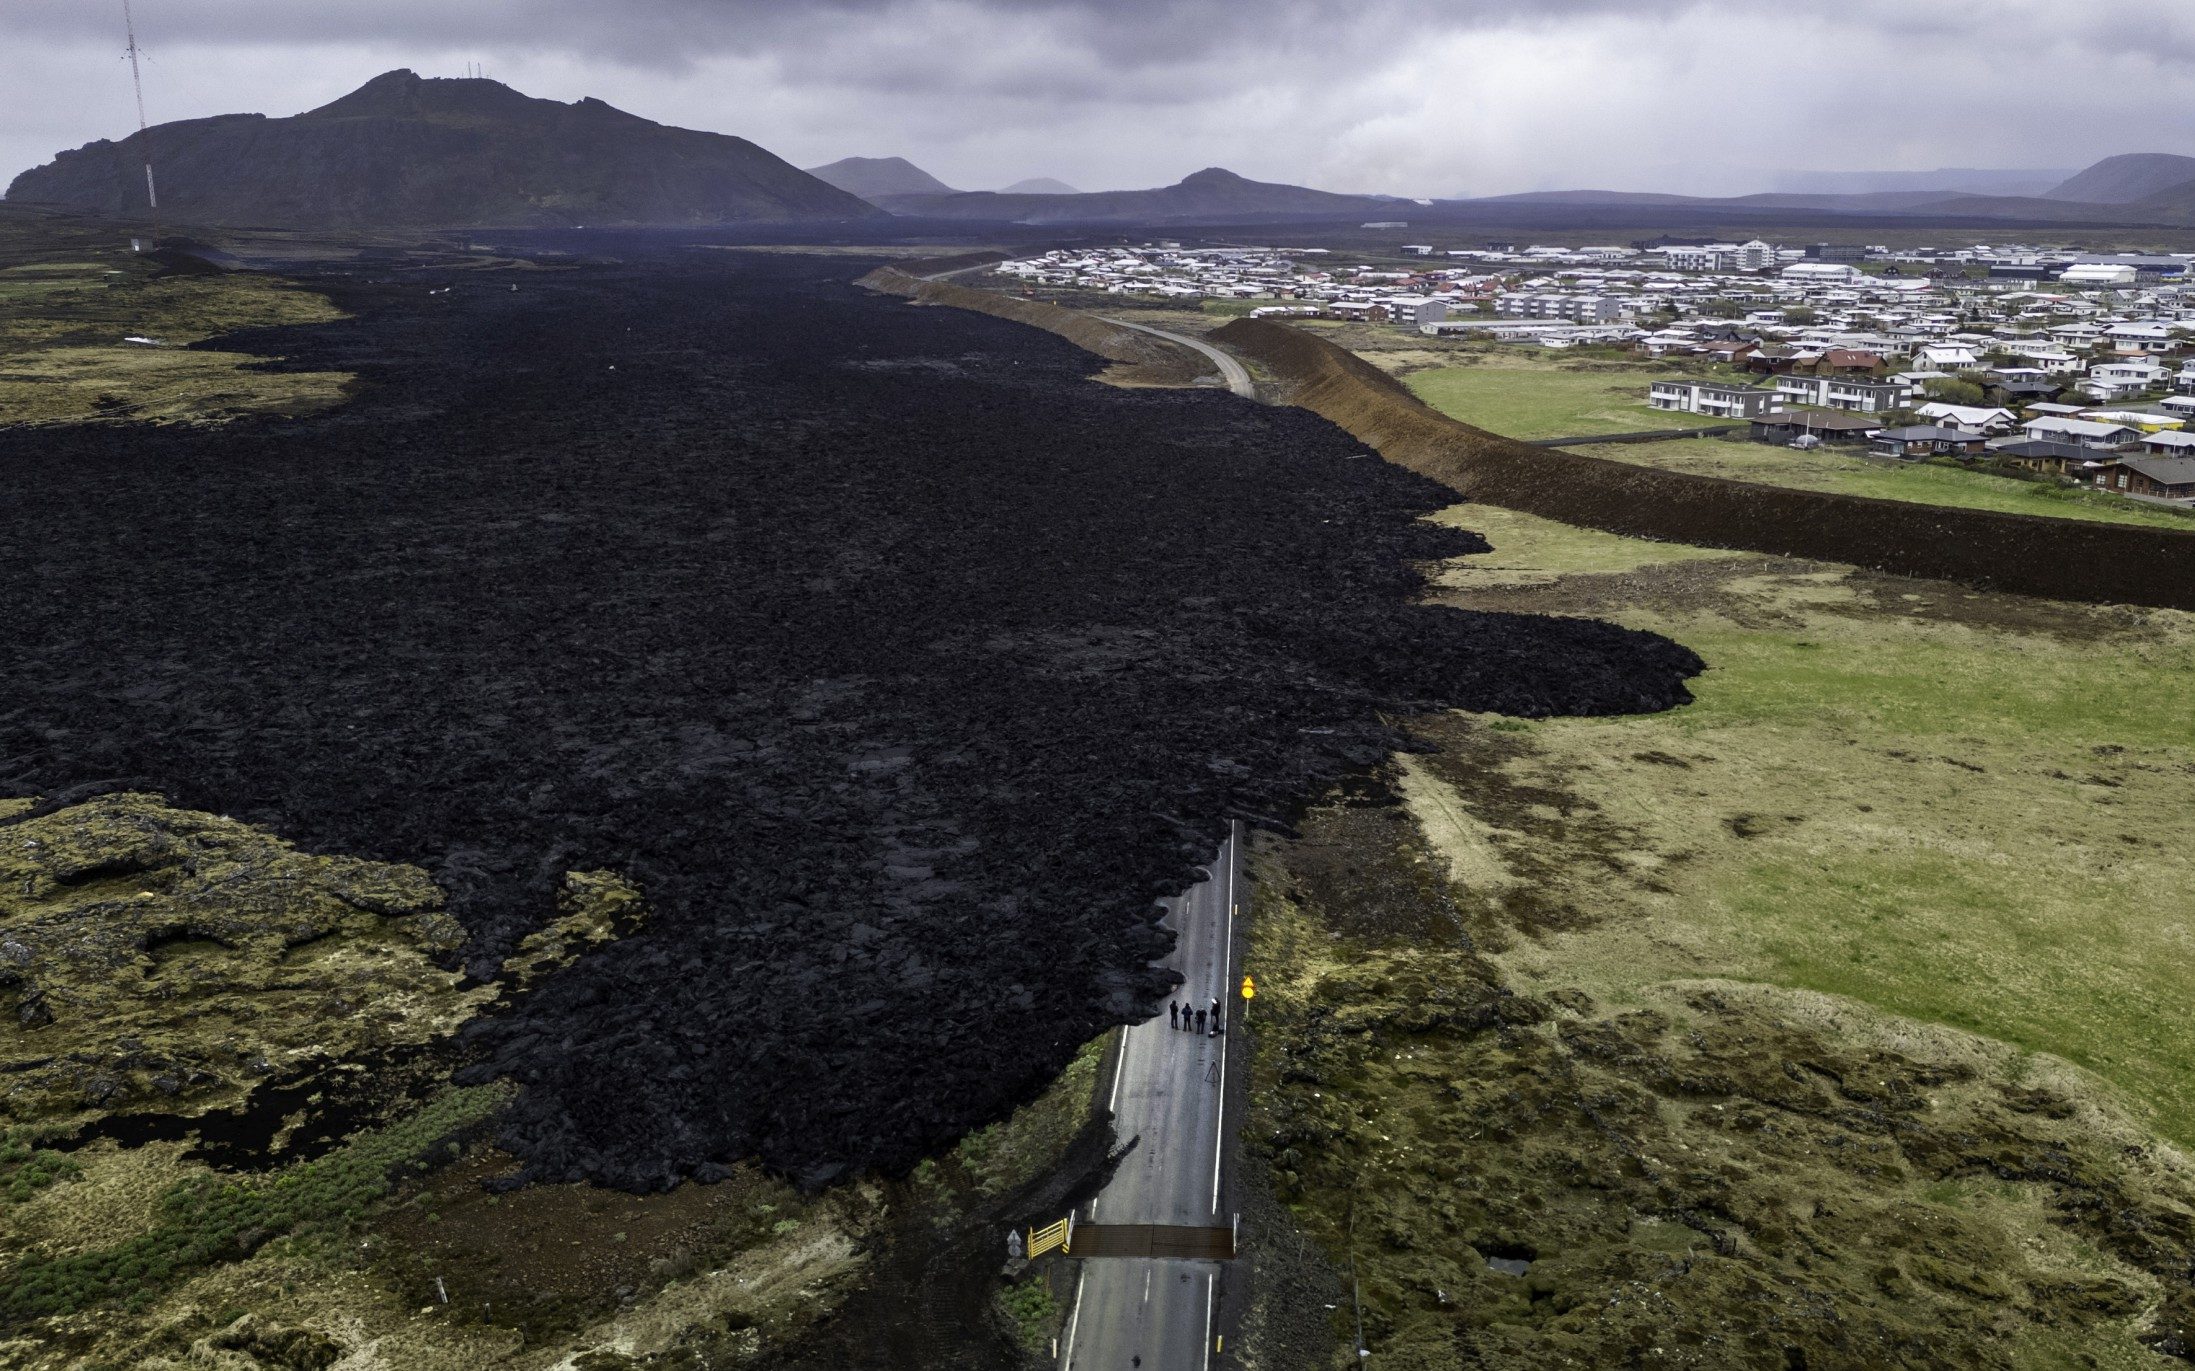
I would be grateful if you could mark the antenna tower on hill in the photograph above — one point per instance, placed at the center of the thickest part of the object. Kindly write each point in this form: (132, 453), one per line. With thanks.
(144, 134)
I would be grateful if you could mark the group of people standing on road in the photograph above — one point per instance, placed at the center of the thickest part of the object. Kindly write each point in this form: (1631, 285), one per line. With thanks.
(1181, 1016)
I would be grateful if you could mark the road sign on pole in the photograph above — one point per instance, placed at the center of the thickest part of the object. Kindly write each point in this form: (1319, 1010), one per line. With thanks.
(1249, 988)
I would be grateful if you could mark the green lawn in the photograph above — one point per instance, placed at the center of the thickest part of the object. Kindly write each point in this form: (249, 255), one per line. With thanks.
(1949, 805)
(1526, 394)
(1236, 309)
(1845, 472)
(1528, 399)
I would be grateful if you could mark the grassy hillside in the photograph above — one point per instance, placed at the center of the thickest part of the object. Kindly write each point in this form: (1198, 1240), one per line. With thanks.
(1944, 805)
(71, 292)
(1846, 472)
(1528, 394)
(1525, 395)
(1829, 1019)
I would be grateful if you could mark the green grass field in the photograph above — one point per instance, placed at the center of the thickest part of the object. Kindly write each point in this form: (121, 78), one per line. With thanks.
(1844, 471)
(1745, 1022)
(67, 300)
(1534, 395)
(1522, 395)
(1947, 805)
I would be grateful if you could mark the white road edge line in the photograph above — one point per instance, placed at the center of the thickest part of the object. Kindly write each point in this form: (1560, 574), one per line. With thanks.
(1112, 1106)
(1208, 1321)
(1076, 1321)
(1226, 971)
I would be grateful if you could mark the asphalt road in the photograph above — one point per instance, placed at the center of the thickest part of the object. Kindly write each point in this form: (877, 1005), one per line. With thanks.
(1167, 1098)
(1231, 371)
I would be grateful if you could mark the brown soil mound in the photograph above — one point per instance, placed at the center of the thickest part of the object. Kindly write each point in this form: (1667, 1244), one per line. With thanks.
(2027, 554)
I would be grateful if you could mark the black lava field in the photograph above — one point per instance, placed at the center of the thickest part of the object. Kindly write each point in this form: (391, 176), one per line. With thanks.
(900, 664)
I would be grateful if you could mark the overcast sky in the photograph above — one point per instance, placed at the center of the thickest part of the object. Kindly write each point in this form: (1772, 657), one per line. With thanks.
(1409, 97)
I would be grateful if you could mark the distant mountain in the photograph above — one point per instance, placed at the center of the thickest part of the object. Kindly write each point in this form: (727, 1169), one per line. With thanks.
(2170, 208)
(1584, 197)
(1861, 202)
(1210, 196)
(869, 177)
(1039, 185)
(404, 151)
(1942, 181)
(2124, 179)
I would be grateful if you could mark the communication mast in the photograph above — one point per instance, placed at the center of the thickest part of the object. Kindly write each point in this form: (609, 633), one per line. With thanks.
(144, 134)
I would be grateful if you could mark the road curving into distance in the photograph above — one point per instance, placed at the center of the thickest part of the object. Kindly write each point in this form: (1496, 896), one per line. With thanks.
(1234, 373)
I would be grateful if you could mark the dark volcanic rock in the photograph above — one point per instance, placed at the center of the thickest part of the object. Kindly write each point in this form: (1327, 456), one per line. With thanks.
(899, 664)
(404, 150)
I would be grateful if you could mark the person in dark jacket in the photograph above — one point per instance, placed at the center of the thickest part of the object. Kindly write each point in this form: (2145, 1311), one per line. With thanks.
(1215, 1018)
(1200, 1021)
(1173, 1014)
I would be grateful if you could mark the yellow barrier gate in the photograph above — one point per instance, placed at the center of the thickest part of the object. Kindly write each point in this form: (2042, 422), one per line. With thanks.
(1042, 1240)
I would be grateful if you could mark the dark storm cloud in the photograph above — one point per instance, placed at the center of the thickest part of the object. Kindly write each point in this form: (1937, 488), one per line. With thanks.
(666, 33)
(1408, 96)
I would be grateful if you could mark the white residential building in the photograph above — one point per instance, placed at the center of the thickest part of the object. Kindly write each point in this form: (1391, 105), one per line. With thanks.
(2119, 380)
(2142, 337)
(1858, 394)
(1413, 310)
(2045, 357)
(1720, 399)
(1970, 418)
(2082, 433)
(1751, 256)
(1947, 356)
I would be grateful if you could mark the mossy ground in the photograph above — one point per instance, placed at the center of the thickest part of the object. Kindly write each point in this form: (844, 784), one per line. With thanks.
(173, 961)
(1828, 1021)
(162, 961)
(70, 294)
(155, 960)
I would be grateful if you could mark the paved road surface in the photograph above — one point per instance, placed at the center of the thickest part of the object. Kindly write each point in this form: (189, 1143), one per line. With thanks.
(1167, 1096)
(1231, 371)
(958, 271)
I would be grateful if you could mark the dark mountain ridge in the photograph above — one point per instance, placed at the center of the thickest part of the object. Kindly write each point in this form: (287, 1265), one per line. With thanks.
(407, 151)
(1039, 185)
(1211, 195)
(869, 177)
(2126, 178)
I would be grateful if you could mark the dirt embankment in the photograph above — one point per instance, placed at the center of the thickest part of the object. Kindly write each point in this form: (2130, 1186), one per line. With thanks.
(2031, 555)
(1154, 360)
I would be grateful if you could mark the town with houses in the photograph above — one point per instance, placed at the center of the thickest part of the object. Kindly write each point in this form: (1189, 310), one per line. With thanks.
(2075, 365)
